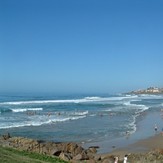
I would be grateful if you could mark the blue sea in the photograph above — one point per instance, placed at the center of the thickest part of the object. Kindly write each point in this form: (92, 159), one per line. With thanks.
(104, 120)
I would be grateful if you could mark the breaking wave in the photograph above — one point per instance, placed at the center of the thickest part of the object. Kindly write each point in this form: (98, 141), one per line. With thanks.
(38, 121)
(138, 110)
(26, 109)
(83, 100)
(20, 110)
(137, 106)
(81, 113)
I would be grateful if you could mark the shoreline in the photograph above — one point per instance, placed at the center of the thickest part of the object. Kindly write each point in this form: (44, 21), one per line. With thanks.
(140, 147)
(138, 143)
(145, 130)
(141, 151)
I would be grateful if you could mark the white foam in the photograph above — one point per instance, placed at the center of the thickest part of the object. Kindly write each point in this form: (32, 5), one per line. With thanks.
(138, 106)
(38, 121)
(129, 102)
(83, 100)
(93, 98)
(13, 125)
(26, 109)
(107, 110)
(141, 108)
(66, 119)
(148, 96)
(132, 125)
(40, 102)
(81, 113)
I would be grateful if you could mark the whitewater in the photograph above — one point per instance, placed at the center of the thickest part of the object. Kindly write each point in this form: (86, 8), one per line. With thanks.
(84, 119)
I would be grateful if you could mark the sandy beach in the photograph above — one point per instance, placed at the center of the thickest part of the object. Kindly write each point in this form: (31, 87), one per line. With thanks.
(144, 143)
(144, 146)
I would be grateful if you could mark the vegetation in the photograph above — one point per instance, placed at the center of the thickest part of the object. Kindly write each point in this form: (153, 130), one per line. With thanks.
(10, 155)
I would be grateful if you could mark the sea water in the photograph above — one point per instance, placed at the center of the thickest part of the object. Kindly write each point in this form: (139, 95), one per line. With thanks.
(89, 120)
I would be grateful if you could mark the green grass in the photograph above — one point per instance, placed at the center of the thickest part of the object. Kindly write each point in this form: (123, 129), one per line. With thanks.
(10, 155)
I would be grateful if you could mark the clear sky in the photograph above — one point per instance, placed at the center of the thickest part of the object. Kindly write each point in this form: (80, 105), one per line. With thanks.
(80, 46)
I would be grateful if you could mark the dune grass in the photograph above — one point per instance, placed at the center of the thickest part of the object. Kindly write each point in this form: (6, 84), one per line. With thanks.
(10, 155)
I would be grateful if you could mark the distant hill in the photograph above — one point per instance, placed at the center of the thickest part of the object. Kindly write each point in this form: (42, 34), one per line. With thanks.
(150, 90)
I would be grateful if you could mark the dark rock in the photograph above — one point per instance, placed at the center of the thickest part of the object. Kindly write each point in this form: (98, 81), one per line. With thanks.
(7, 136)
(94, 147)
(55, 152)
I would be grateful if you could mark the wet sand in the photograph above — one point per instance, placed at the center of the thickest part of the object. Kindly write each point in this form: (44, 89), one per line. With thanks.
(145, 131)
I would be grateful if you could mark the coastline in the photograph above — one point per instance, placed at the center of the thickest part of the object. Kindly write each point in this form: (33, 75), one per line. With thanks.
(143, 146)
(145, 130)
(136, 143)
(144, 151)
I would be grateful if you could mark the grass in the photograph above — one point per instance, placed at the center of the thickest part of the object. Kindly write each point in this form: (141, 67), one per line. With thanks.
(10, 155)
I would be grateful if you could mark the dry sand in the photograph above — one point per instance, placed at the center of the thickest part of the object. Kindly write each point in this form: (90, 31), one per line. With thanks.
(142, 146)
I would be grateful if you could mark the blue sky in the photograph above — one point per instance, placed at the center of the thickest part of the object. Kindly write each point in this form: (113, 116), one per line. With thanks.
(80, 46)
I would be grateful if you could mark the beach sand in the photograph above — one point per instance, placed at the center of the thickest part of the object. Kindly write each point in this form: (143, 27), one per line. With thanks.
(140, 147)
(137, 141)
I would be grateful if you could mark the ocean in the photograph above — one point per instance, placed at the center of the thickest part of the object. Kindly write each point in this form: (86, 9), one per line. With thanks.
(106, 121)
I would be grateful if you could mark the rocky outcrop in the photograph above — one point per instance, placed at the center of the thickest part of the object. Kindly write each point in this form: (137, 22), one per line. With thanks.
(66, 151)
(155, 156)
(73, 152)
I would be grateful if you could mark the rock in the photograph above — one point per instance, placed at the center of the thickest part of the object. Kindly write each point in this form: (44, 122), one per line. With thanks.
(107, 161)
(65, 156)
(74, 152)
(92, 149)
(97, 157)
(78, 150)
(7, 136)
(44, 150)
(81, 156)
(78, 157)
(50, 148)
(73, 148)
(55, 152)
(160, 151)
(91, 161)
(75, 161)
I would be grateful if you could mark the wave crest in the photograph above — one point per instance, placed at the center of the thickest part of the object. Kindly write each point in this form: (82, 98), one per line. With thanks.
(26, 109)
(82, 100)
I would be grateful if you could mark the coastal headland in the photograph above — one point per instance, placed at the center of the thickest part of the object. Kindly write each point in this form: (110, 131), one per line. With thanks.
(150, 90)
